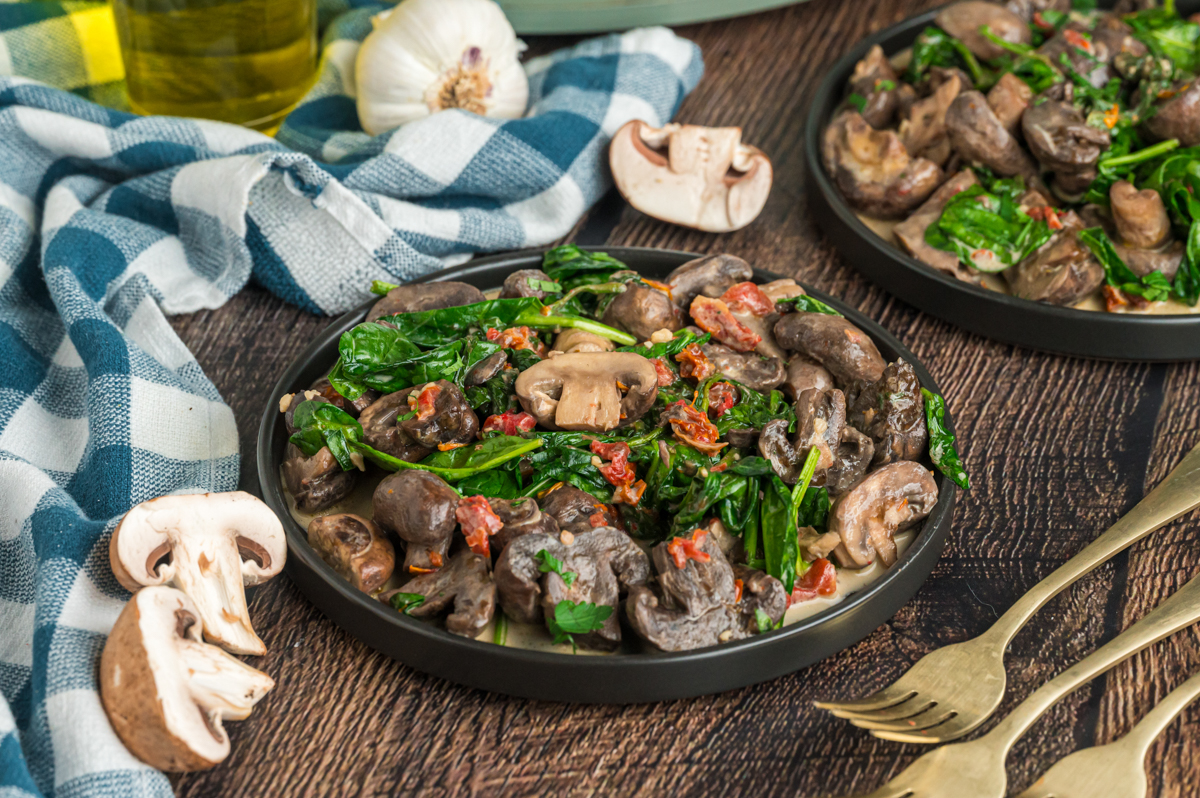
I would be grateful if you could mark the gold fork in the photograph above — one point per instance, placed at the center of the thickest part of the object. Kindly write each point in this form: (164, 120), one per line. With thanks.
(976, 768)
(1116, 770)
(952, 690)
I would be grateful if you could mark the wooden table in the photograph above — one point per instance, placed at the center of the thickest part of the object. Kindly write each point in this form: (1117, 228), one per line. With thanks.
(1057, 448)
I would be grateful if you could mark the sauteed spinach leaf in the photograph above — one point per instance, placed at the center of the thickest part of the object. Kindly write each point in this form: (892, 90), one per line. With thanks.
(987, 229)
(941, 441)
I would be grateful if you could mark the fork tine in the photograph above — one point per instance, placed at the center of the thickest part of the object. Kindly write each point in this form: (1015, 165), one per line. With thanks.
(925, 720)
(951, 729)
(887, 697)
(905, 709)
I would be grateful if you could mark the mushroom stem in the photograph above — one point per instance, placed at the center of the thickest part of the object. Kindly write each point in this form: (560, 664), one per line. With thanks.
(223, 686)
(209, 570)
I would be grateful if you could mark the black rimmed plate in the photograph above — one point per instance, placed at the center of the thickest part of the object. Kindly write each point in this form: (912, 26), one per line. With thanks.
(993, 314)
(619, 678)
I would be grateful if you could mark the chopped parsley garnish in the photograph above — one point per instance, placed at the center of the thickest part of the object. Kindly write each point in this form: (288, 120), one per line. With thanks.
(407, 602)
(548, 563)
(571, 618)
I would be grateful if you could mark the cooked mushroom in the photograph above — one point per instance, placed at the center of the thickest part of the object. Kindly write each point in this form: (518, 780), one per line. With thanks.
(911, 232)
(1139, 216)
(892, 412)
(525, 282)
(755, 310)
(381, 432)
(701, 177)
(1025, 9)
(582, 391)
(978, 135)
(575, 510)
(520, 517)
(873, 169)
(851, 460)
(486, 369)
(761, 374)
(416, 297)
(846, 351)
(778, 290)
(1061, 272)
(814, 546)
(605, 562)
(694, 576)
(963, 21)
(316, 482)
(820, 417)
(1060, 138)
(642, 311)
(889, 500)
(574, 340)
(420, 508)
(1008, 100)
(354, 547)
(325, 390)
(923, 132)
(467, 582)
(869, 73)
(443, 416)
(1178, 117)
(804, 373)
(709, 276)
(1165, 261)
(1109, 37)
(215, 543)
(165, 691)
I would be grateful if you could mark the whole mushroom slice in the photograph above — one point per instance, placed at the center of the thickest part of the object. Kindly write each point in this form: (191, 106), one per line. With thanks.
(520, 517)
(316, 482)
(1061, 272)
(415, 297)
(892, 413)
(215, 543)
(575, 510)
(911, 232)
(381, 431)
(605, 561)
(978, 135)
(760, 373)
(709, 276)
(1140, 217)
(525, 283)
(846, 351)
(889, 500)
(165, 691)
(1008, 100)
(420, 508)
(491, 366)
(701, 177)
(466, 582)
(874, 171)
(1178, 117)
(582, 391)
(963, 21)
(693, 573)
(642, 311)
(354, 547)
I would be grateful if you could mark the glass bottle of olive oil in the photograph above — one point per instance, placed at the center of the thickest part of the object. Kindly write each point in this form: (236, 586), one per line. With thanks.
(241, 61)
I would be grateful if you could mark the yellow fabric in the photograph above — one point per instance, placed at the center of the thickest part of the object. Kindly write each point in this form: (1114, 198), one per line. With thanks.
(98, 40)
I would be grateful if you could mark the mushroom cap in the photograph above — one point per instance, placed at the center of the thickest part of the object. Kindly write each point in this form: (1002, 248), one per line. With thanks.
(1140, 216)
(963, 20)
(761, 374)
(415, 297)
(354, 547)
(978, 135)
(642, 311)
(315, 482)
(1178, 117)
(579, 391)
(846, 351)
(873, 170)
(706, 179)
(710, 276)
(165, 691)
(573, 340)
(466, 582)
(1062, 271)
(889, 500)
(420, 508)
(381, 431)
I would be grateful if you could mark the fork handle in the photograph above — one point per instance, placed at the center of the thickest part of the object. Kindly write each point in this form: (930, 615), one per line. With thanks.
(1178, 612)
(1174, 496)
(1142, 735)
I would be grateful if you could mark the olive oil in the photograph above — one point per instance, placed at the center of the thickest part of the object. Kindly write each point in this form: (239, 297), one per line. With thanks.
(241, 61)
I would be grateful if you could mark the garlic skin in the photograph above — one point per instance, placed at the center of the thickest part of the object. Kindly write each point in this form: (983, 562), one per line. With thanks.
(425, 56)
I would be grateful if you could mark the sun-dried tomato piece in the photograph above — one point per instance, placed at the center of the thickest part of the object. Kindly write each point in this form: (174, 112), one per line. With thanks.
(737, 590)
(713, 316)
(819, 580)
(509, 423)
(1078, 40)
(517, 338)
(693, 427)
(598, 518)
(424, 402)
(683, 549)
(694, 364)
(479, 522)
(663, 371)
(618, 472)
(721, 397)
(748, 298)
(629, 494)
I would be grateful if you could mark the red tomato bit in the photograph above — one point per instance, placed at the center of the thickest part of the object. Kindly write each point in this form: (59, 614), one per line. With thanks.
(721, 397)
(424, 402)
(737, 587)
(517, 338)
(683, 549)
(663, 371)
(1078, 40)
(748, 298)
(510, 423)
(819, 580)
(693, 427)
(713, 316)
(478, 521)
(618, 472)
(694, 364)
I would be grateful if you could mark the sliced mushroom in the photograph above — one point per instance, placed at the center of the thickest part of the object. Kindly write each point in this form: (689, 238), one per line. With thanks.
(778, 290)
(846, 351)
(911, 232)
(923, 132)
(963, 21)
(892, 413)
(573, 340)
(415, 297)
(874, 171)
(889, 500)
(701, 177)
(853, 457)
(1060, 138)
(451, 421)
(520, 517)
(814, 545)
(575, 510)
(869, 73)
(642, 311)
(165, 691)
(1166, 261)
(761, 374)
(820, 417)
(486, 369)
(981, 138)
(710, 276)
(1139, 216)
(466, 582)
(582, 391)
(1178, 117)
(605, 561)
(804, 373)
(381, 431)
(1061, 272)
(703, 582)
(420, 508)
(216, 543)
(1008, 100)
(525, 283)
(316, 482)
(355, 548)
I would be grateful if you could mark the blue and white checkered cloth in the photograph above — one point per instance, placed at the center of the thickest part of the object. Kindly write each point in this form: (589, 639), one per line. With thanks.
(109, 221)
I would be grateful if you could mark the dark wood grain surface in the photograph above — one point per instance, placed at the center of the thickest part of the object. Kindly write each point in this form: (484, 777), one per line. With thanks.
(1058, 449)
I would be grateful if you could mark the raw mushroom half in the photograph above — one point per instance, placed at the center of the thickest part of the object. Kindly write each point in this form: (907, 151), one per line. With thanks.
(582, 391)
(701, 177)
(166, 691)
(214, 543)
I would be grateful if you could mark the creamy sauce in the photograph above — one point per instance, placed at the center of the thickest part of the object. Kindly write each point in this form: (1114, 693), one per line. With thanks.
(884, 229)
(848, 581)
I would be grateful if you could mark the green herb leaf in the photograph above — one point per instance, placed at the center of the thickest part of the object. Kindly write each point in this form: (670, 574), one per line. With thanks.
(381, 288)
(667, 350)
(857, 100)
(808, 304)
(500, 635)
(460, 463)
(549, 286)
(571, 618)
(941, 441)
(407, 602)
(548, 563)
(801, 486)
(762, 620)
(780, 545)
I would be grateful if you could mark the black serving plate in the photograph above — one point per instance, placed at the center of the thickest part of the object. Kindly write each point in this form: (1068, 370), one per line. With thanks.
(620, 678)
(1006, 318)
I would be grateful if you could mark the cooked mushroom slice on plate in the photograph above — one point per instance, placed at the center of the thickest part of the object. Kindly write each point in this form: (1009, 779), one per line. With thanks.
(803, 373)
(870, 77)
(575, 510)
(572, 340)
(519, 517)
(1008, 100)
(466, 582)
(1064, 143)
(605, 562)
(963, 21)
(642, 311)
(582, 391)
(820, 416)
(693, 573)
(911, 232)
(420, 508)
(889, 500)
(846, 351)
(980, 137)
(892, 412)
(214, 544)
(354, 547)
(759, 373)
(1061, 272)
(779, 290)
(382, 432)
(701, 177)
(416, 297)
(1178, 117)
(316, 482)
(709, 276)
(324, 389)
(874, 171)
(923, 132)
(165, 691)
(443, 416)
(526, 282)
(1140, 217)
(491, 366)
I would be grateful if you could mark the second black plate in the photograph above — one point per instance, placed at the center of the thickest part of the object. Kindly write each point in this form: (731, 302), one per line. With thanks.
(1006, 318)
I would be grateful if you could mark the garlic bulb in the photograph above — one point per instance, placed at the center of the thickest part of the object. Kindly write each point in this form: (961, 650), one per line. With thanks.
(425, 56)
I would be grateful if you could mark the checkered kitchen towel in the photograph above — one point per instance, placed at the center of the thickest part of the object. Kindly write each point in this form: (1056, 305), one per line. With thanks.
(108, 222)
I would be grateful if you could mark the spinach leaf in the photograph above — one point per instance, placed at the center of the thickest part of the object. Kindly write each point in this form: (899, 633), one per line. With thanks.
(941, 441)
(406, 602)
(732, 494)
(458, 464)
(762, 621)
(495, 397)
(571, 266)
(808, 304)
(801, 486)
(814, 509)
(496, 484)
(576, 618)
(1153, 287)
(668, 349)
(753, 467)
(500, 636)
(935, 47)
(432, 327)
(557, 463)
(382, 358)
(753, 410)
(320, 424)
(780, 546)
(548, 563)
(987, 230)
(1167, 35)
